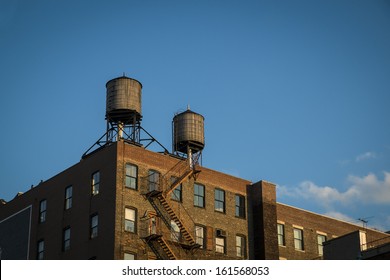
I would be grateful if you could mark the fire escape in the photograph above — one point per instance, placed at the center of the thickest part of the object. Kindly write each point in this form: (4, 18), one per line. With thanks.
(158, 192)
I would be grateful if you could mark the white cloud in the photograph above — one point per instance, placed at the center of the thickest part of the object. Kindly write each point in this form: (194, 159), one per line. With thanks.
(367, 190)
(358, 158)
(370, 189)
(371, 222)
(341, 217)
(365, 156)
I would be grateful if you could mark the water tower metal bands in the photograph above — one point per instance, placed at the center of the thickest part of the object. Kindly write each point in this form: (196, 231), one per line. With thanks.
(123, 107)
(188, 135)
(123, 102)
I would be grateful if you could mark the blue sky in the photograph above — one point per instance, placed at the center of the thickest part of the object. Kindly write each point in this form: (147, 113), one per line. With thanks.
(293, 92)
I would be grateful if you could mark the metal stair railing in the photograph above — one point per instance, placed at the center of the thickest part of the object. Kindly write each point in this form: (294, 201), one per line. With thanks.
(159, 191)
(153, 237)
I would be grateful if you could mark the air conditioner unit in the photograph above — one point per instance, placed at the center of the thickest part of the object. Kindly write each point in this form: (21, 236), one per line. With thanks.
(220, 233)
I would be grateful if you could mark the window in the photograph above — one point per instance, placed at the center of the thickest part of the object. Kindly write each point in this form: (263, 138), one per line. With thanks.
(281, 239)
(240, 206)
(153, 180)
(68, 197)
(42, 211)
(177, 192)
(240, 246)
(220, 245)
(95, 183)
(130, 220)
(152, 225)
(298, 239)
(320, 240)
(94, 225)
(199, 195)
(129, 256)
(175, 231)
(219, 202)
(66, 239)
(40, 249)
(200, 236)
(131, 180)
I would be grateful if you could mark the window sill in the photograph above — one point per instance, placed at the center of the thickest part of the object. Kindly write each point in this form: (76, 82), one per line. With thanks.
(242, 218)
(128, 188)
(299, 250)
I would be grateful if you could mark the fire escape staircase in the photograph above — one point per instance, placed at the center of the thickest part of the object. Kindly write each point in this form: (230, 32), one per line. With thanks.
(159, 247)
(158, 200)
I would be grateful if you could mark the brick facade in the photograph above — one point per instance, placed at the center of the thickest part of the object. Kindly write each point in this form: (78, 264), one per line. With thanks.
(312, 225)
(207, 216)
(256, 229)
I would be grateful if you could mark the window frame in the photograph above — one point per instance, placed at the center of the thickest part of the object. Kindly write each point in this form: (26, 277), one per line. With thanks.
(177, 193)
(40, 249)
(68, 197)
(131, 177)
(298, 240)
(200, 240)
(218, 201)
(199, 197)
(66, 236)
(320, 246)
(94, 226)
(153, 183)
(175, 232)
(42, 211)
(281, 235)
(218, 246)
(95, 186)
(240, 209)
(241, 250)
(130, 254)
(133, 223)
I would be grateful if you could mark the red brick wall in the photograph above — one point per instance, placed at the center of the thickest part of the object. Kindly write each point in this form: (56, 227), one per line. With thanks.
(207, 216)
(77, 217)
(312, 224)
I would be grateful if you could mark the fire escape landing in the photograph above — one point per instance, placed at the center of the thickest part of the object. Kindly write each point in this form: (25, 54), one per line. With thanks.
(157, 196)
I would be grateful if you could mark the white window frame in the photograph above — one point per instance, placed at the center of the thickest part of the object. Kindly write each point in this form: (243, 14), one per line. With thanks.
(175, 232)
(321, 242)
(299, 243)
(129, 256)
(281, 235)
(200, 235)
(130, 219)
(240, 246)
(220, 244)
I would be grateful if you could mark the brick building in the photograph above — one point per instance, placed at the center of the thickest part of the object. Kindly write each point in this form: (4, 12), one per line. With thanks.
(123, 201)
